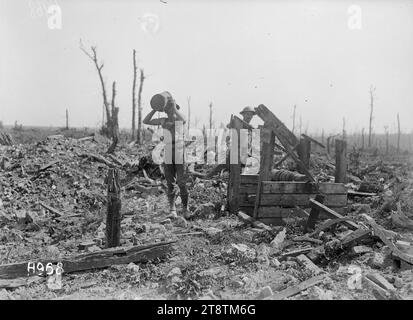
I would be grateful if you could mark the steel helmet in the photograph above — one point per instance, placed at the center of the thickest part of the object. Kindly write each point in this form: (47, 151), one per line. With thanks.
(247, 109)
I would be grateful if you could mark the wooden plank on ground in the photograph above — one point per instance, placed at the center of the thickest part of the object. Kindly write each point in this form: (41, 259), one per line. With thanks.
(94, 260)
(286, 187)
(334, 214)
(292, 291)
(250, 220)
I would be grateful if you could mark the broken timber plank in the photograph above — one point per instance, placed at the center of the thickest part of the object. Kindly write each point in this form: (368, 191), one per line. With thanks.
(360, 194)
(56, 212)
(93, 260)
(265, 167)
(19, 282)
(291, 200)
(249, 185)
(258, 224)
(334, 214)
(291, 291)
(309, 264)
(313, 140)
(285, 136)
(314, 213)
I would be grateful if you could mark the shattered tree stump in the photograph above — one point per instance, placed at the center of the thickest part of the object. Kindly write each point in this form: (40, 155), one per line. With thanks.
(341, 161)
(113, 217)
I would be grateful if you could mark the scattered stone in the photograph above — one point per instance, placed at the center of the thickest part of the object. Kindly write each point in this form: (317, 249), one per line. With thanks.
(277, 242)
(361, 208)
(86, 244)
(133, 268)
(317, 293)
(180, 222)
(93, 248)
(275, 262)
(398, 282)
(166, 221)
(211, 231)
(264, 293)
(377, 260)
(357, 250)
(174, 272)
(236, 284)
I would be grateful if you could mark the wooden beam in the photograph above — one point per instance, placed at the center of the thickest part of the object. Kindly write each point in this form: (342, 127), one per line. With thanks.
(267, 157)
(291, 200)
(341, 161)
(247, 219)
(288, 187)
(314, 213)
(235, 163)
(285, 136)
(94, 260)
(291, 291)
(313, 140)
(334, 214)
(114, 205)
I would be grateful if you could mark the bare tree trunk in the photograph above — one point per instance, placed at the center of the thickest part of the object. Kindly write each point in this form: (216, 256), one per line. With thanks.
(322, 136)
(210, 115)
(362, 139)
(398, 133)
(344, 128)
(189, 113)
(295, 106)
(134, 95)
(142, 79)
(371, 113)
(114, 125)
(99, 67)
(387, 139)
(67, 119)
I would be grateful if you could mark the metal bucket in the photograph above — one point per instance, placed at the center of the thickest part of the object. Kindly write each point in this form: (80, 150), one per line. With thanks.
(159, 100)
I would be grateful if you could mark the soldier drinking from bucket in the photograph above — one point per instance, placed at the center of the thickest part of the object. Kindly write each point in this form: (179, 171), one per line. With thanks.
(174, 148)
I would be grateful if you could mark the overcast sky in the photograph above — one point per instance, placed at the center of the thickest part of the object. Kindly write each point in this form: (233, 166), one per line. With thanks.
(230, 53)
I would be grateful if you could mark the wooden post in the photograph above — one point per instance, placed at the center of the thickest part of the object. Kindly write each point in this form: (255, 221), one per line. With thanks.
(341, 161)
(304, 151)
(113, 217)
(267, 156)
(314, 213)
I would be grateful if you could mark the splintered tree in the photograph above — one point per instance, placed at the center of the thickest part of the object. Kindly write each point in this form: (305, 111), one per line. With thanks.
(398, 133)
(362, 139)
(67, 119)
(372, 90)
(142, 79)
(210, 115)
(134, 95)
(295, 106)
(386, 131)
(111, 118)
(114, 125)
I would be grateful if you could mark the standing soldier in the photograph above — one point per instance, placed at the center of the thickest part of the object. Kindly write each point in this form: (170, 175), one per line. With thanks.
(174, 149)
